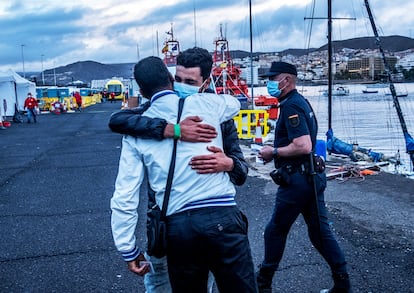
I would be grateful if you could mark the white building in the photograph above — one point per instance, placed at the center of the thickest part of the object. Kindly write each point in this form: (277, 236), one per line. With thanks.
(406, 62)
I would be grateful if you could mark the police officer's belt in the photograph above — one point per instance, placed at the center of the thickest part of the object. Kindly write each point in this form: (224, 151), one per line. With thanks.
(293, 168)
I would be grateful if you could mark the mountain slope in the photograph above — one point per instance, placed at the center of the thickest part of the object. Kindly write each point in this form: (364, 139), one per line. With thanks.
(89, 70)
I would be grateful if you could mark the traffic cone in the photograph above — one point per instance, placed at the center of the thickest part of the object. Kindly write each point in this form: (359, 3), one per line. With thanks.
(258, 139)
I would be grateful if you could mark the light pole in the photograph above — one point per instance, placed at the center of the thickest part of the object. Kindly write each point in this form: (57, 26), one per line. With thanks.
(43, 74)
(24, 72)
(137, 51)
(54, 72)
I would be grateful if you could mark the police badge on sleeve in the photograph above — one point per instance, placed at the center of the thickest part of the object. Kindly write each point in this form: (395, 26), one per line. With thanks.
(294, 120)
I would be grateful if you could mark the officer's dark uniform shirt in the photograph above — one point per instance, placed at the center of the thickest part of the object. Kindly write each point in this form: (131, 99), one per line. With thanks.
(296, 119)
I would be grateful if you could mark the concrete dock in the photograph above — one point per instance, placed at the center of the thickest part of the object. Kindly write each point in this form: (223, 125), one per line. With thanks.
(57, 177)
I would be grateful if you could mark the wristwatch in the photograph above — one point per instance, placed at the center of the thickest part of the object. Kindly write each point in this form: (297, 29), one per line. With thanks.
(275, 152)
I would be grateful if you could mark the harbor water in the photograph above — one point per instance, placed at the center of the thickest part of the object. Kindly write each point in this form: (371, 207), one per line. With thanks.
(369, 120)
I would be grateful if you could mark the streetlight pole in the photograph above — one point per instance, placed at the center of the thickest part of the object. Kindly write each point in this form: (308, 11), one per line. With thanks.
(43, 74)
(137, 52)
(24, 72)
(54, 72)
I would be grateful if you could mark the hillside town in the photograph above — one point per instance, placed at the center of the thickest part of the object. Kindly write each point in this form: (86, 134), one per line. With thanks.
(354, 65)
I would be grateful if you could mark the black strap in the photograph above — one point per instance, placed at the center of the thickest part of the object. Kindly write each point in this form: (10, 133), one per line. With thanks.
(172, 166)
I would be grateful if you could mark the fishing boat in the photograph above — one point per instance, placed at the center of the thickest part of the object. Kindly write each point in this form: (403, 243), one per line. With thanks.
(170, 49)
(226, 75)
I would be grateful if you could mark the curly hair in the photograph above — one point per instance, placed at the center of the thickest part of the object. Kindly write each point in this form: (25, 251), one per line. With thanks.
(196, 57)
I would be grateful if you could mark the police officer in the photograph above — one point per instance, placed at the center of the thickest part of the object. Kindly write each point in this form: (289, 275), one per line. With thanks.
(295, 138)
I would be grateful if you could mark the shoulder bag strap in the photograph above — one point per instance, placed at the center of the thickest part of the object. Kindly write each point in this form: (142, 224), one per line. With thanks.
(172, 166)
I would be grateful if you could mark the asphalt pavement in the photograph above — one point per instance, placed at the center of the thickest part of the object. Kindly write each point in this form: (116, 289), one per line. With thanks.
(57, 177)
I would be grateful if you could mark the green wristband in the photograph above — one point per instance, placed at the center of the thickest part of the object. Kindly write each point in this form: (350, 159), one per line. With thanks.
(177, 131)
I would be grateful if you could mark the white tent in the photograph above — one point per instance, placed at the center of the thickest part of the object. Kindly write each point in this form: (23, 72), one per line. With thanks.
(13, 91)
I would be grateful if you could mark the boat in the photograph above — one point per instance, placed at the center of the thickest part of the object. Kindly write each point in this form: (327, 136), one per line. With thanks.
(338, 91)
(352, 150)
(370, 91)
(409, 141)
(226, 75)
(398, 95)
(171, 49)
(377, 85)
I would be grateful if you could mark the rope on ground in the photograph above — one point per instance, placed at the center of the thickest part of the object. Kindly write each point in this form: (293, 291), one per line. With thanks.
(346, 172)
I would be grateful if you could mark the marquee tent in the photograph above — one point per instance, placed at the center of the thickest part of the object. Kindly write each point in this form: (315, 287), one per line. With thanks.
(13, 91)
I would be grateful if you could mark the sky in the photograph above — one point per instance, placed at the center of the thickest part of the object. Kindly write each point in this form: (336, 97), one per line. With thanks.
(44, 34)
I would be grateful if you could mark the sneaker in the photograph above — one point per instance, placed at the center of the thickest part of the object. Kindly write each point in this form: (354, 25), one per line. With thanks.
(341, 284)
(333, 290)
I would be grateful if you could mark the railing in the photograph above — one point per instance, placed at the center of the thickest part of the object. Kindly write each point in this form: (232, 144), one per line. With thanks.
(247, 121)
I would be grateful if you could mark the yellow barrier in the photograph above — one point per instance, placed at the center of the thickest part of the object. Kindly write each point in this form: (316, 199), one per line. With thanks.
(45, 103)
(69, 104)
(246, 122)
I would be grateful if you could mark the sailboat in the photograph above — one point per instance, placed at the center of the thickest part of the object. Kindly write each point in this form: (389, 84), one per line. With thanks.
(335, 145)
(409, 141)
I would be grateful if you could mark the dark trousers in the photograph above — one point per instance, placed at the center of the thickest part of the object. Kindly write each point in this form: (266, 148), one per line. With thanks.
(210, 239)
(31, 113)
(298, 198)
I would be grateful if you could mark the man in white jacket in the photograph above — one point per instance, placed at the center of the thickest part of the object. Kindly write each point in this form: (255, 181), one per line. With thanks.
(205, 229)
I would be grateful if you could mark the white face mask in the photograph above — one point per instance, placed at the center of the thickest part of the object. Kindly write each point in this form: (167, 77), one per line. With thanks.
(184, 90)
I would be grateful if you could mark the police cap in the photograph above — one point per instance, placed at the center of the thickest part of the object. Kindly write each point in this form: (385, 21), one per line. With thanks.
(280, 67)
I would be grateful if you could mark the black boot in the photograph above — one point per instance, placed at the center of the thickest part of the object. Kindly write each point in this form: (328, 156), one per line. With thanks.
(264, 277)
(341, 284)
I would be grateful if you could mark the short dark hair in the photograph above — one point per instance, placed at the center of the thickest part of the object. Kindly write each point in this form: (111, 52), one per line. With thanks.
(196, 57)
(152, 75)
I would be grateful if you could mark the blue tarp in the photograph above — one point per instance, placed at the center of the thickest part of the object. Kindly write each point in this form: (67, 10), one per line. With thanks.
(409, 143)
(337, 146)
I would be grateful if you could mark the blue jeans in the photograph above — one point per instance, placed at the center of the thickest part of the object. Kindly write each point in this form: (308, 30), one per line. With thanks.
(31, 114)
(209, 239)
(298, 198)
(159, 282)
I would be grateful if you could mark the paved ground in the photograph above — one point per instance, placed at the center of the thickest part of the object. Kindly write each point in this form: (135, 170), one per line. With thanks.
(56, 180)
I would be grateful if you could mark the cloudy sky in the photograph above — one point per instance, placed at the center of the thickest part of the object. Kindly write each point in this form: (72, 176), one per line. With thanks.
(59, 32)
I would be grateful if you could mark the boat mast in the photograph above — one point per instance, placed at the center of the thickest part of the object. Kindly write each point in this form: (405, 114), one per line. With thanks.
(251, 49)
(330, 64)
(330, 58)
(408, 139)
(195, 26)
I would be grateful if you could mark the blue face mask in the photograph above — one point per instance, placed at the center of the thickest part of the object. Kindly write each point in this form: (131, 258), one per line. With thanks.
(184, 90)
(273, 88)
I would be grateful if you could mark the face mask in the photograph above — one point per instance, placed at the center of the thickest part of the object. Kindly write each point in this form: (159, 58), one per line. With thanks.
(184, 90)
(273, 88)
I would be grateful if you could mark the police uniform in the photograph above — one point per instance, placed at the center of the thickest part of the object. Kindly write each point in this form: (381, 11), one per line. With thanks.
(296, 194)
